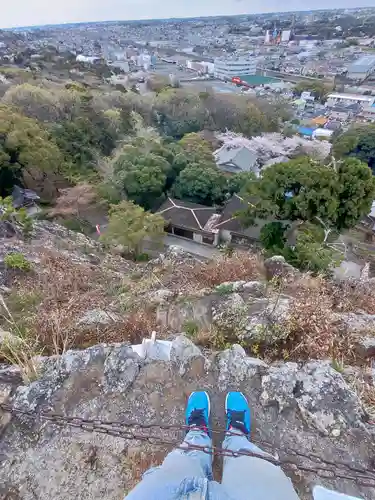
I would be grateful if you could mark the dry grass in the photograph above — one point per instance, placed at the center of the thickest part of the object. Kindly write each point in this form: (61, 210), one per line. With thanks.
(364, 390)
(137, 325)
(190, 276)
(312, 329)
(353, 297)
(18, 349)
(49, 305)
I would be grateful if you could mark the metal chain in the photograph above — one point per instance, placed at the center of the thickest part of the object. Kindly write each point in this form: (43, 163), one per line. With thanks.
(126, 430)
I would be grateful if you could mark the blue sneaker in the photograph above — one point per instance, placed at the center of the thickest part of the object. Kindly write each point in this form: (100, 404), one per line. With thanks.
(237, 411)
(197, 412)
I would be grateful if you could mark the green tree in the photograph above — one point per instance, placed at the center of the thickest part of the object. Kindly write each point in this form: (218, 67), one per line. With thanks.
(318, 88)
(178, 112)
(310, 252)
(200, 184)
(300, 189)
(196, 148)
(356, 192)
(238, 182)
(142, 175)
(306, 190)
(304, 201)
(27, 155)
(129, 225)
(358, 142)
(35, 102)
(17, 218)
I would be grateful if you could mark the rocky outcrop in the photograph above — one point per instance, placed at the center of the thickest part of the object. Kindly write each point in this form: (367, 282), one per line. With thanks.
(305, 412)
(277, 267)
(97, 317)
(306, 408)
(365, 346)
(315, 388)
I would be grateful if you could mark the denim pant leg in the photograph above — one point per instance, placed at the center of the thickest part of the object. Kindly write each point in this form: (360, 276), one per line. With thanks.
(251, 477)
(181, 473)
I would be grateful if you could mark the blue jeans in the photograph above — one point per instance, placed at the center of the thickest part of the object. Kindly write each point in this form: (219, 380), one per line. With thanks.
(188, 475)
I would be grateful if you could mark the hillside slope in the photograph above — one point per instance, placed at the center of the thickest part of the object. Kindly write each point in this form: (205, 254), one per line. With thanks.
(314, 413)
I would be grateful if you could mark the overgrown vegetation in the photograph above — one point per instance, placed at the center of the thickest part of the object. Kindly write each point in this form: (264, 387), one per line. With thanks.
(129, 226)
(17, 218)
(16, 260)
(304, 202)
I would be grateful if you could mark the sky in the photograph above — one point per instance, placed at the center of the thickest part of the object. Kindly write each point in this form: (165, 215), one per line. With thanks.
(39, 12)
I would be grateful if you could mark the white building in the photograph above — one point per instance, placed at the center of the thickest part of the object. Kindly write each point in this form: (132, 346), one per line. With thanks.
(361, 68)
(87, 59)
(285, 35)
(335, 98)
(199, 67)
(226, 69)
(144, 61)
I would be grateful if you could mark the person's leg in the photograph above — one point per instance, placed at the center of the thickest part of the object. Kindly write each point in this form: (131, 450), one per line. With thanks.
(183, 471)
(245, 477)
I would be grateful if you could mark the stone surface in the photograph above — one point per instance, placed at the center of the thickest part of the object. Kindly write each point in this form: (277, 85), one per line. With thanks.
(229, 314)
(347, 270)
(357, 322)
(315, 388)
(230, 286)
(255, 288)
(366, 346)
(161, 296)
(263, 324)
(110, 382)
(175, 314)
(185, 354)
(235, 367)
(277, 266)
(98, 317)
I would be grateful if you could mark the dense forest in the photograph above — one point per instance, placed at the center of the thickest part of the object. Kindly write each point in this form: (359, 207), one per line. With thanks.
(91, 149)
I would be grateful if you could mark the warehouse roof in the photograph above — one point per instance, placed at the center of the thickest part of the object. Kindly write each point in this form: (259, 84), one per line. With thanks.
(362, 64)
(258, 79)
(351, 97)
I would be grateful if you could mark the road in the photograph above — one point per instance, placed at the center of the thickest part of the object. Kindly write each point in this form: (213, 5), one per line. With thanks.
(191, 246)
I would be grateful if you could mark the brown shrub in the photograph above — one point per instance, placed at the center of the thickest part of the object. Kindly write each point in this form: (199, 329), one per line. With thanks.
(354, 296)
(137, 325)
(240, 266)
(312, 329)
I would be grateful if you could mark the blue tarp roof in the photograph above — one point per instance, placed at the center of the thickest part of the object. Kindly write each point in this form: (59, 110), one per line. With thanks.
(305, 130)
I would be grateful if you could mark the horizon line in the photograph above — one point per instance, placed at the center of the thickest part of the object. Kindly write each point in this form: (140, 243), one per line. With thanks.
(72, 23)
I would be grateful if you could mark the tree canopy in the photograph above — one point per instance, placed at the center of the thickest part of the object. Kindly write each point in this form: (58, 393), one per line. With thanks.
(306, 190)
(358, 142)
(27, 155)
(142, 176)
(318, 88)
(200, 184)
(237, 183)
(146, 169)
(129, 225)
(304, 201)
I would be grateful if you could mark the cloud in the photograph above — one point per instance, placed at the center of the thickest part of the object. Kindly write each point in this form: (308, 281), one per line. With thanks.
(39, 12)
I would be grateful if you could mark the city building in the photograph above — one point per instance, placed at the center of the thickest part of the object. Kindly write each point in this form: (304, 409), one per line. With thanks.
(226, 69)
(361, 68)
(336, 98)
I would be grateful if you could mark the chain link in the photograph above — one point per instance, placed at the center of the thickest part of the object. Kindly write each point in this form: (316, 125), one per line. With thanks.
(127, 430)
